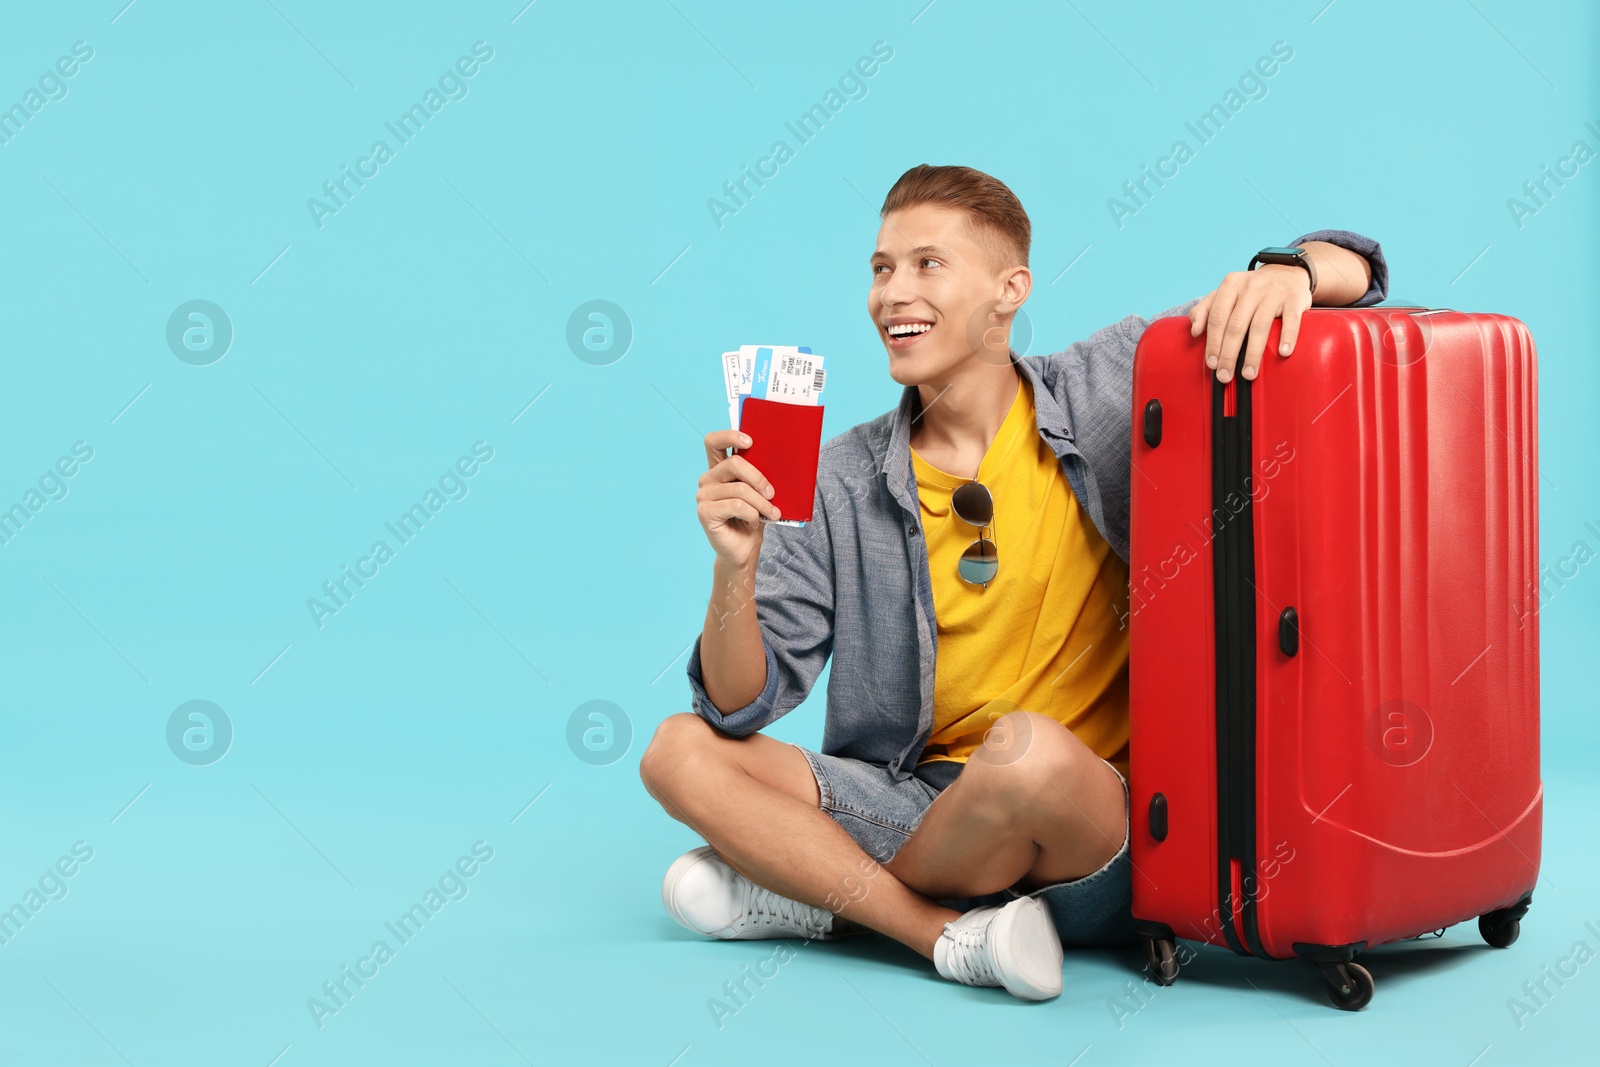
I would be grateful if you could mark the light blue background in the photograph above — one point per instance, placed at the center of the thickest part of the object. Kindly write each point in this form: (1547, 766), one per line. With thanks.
(427, 314)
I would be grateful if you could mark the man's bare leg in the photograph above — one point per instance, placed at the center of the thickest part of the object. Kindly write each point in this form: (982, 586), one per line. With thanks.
(755, 801)
(1034, 806)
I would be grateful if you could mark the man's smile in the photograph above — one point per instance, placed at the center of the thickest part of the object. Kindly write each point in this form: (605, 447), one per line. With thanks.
(905, 332)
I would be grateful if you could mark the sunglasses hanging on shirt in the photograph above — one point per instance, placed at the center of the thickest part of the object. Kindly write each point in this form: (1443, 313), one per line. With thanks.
(974, 505)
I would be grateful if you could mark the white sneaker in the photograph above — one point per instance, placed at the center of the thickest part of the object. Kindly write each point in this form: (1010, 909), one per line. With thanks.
(1015, 946)
(702, 893)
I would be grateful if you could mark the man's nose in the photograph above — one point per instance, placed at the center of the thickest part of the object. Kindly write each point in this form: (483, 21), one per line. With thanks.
(896, 294)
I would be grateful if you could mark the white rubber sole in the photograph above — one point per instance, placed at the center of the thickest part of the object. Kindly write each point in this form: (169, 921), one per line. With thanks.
(675, 873)
(1027, 950)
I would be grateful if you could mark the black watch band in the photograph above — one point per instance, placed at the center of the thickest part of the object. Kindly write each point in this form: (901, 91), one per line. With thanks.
(1288, 257)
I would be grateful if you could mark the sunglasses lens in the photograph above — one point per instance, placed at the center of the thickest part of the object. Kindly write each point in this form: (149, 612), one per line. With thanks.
(973, 503)
(980, 562)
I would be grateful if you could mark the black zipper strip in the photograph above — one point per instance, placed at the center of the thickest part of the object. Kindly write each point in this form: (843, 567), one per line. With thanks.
(1233, 570)
(1221, 566)
(1244, 577)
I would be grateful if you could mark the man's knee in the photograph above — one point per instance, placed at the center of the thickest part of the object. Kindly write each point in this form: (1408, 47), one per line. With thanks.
(678, 742)
(1030, 762)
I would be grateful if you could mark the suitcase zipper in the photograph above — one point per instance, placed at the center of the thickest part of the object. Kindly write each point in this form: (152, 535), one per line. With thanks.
(1233, 594)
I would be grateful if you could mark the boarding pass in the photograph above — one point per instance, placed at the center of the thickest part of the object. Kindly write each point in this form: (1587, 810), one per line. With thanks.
(788, 374)
(785, 373)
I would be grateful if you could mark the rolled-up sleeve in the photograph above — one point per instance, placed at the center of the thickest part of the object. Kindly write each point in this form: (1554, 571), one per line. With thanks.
(746, 720)
(794, 612)
(1378, 290)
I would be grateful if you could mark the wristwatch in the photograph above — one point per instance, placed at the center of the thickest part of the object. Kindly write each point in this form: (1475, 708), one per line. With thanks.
(1288, 257)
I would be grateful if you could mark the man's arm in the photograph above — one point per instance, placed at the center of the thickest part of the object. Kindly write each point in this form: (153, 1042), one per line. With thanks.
(748, 668)
(734, 665)
(1350, 271)
(1343, 276)
(1375, 267)
(1092, 380)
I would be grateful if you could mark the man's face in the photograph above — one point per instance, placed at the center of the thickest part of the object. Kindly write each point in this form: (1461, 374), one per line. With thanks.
(930, 270)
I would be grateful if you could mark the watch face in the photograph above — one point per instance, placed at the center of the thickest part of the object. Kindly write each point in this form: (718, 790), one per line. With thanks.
(1280, 251)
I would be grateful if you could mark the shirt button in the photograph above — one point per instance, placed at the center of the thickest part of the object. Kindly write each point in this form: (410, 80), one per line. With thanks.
(911, 531)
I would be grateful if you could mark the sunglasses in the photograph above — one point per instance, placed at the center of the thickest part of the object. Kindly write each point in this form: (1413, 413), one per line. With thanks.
(980, 562)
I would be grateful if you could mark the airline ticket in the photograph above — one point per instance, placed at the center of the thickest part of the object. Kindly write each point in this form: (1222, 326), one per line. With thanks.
(788, 374)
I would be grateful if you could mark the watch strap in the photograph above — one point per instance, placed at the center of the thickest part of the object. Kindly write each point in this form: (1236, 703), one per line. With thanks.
(1288, 257)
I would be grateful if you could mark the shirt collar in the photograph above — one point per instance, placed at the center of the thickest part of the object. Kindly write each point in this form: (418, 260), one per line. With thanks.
(1052, 425)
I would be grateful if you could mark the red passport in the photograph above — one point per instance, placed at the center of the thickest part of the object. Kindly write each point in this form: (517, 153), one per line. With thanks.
(785, 440)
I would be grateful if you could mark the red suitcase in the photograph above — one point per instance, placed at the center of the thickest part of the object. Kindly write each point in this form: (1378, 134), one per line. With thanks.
(1334, 657)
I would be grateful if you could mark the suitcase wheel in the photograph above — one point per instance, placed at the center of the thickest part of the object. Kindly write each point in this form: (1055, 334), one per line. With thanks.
(1161, 956)
(1349, 985)
(1499, 930)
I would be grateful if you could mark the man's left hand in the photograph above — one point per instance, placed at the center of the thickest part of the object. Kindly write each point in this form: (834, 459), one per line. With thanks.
(1249, 301)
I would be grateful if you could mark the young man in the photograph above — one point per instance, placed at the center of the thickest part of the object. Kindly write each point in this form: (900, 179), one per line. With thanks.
(973, 805)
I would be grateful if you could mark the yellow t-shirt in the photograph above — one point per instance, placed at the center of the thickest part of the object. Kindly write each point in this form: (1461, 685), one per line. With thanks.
(1046, 634)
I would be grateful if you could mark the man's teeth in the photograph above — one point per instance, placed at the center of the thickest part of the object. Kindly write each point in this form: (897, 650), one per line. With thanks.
(910, 328)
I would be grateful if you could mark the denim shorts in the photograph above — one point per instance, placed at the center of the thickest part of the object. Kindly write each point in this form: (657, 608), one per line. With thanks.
(881, 814)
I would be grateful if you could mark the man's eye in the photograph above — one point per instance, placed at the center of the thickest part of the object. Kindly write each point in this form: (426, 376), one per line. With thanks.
(929, 259)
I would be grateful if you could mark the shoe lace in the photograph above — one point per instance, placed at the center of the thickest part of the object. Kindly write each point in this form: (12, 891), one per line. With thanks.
(766, 908)
(968, 956)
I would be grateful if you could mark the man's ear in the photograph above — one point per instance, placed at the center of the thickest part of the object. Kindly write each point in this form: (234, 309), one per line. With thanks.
(1014, 290)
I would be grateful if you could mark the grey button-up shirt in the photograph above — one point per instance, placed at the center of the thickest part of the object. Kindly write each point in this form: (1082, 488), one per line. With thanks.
(854, 582)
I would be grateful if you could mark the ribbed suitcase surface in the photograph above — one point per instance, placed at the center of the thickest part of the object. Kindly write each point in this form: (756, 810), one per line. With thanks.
(1334, 663)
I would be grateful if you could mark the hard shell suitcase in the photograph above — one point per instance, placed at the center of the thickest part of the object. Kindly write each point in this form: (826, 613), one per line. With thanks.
(1334, 657)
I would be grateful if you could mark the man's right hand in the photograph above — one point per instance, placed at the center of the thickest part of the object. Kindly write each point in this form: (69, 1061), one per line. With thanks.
(732, 498)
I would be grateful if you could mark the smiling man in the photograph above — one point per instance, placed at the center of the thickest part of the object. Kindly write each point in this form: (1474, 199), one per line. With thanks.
(967, 570)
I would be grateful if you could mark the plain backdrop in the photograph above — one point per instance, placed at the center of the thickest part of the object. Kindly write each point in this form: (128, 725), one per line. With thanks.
(374, 346)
